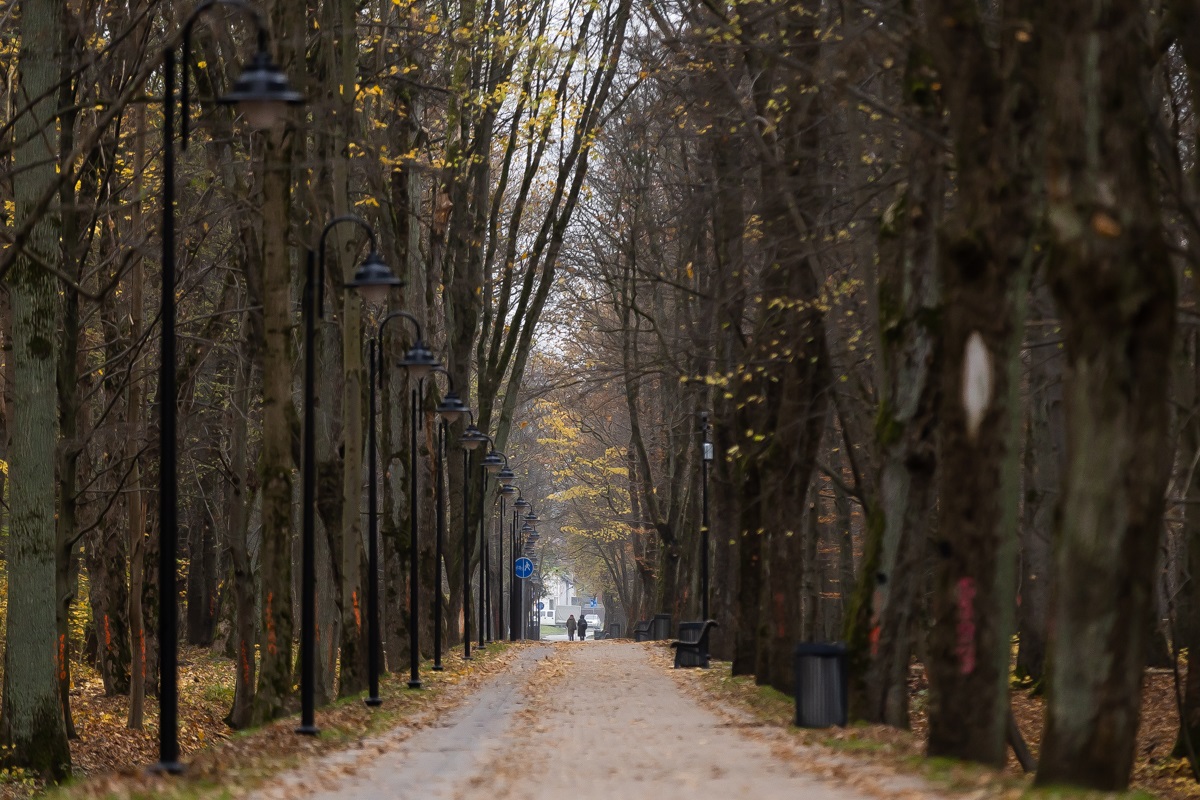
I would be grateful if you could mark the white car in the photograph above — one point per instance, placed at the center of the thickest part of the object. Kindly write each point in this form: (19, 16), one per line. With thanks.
(593, 622)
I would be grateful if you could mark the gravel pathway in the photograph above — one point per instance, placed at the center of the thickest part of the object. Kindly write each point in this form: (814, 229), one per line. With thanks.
(568, 721)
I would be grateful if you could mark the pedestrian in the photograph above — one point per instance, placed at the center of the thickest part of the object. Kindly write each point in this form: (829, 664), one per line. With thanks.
(571, 628)
(582, 627)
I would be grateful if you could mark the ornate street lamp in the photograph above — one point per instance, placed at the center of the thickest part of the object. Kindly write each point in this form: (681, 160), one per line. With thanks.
(420, 363)
(262, 93)
(471, 438)
(449, 410)
(506, 490)
(706, 453)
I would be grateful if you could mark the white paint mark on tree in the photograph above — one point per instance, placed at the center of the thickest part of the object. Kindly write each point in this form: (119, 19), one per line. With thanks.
(976, 383)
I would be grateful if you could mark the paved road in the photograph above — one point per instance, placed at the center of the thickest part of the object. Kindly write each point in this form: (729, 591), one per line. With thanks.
(597, 720)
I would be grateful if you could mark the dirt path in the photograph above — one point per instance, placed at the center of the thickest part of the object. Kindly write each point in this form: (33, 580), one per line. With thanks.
(594, 720)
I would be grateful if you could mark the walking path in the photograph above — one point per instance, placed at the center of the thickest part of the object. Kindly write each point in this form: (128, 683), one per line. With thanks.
(594, 720)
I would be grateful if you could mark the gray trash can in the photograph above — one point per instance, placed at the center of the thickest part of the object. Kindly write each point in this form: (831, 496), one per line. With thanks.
(614, 630)
(822, 688)
(660, 629)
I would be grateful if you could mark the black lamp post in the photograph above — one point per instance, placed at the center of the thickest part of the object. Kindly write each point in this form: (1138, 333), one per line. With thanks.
(520, 505)
(372, 279)
(528, 536)
(506, 491)
(261, 93)
(706, 459)
(493, 462)
(377, 369)
(449, 409)
(471, 438)
(420, 364)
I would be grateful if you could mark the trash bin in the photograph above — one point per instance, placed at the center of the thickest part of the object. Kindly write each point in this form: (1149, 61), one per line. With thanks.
(822, 689)
(661, 627)
(614, 630)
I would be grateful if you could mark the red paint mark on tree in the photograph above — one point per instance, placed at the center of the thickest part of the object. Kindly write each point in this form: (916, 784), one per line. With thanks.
(245, 664)
(966, 625)
(107, 635)
(270, 625)
(875, 631)
(357, 615)
(62, 657)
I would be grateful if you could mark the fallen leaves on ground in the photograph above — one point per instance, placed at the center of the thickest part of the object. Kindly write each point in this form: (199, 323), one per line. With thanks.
(111, 761)
(764, 713)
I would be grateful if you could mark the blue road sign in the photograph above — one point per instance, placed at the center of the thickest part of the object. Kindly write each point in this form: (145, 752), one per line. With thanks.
(593, 602)
(523, 568)
(541, 606)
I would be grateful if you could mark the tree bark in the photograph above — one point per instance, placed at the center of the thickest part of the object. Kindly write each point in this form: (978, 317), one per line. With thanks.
(984, 250)
(280, 423)
(31, 720)
(1111, 274)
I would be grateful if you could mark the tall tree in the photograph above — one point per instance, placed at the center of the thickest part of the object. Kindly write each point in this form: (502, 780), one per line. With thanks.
(279, 148)
(1115, 287)
(984, 250)
(31, 719)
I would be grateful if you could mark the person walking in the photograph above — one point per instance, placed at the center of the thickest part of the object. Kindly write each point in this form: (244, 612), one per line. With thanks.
(571, 628)
(583, 626)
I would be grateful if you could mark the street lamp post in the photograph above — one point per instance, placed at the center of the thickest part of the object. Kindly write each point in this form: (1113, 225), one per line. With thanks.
(420, 363)
(706, 460)
(506, 478)
(528, 535)
(471, 438)
(493, 462)
(376, 372)
(260, 92)
(449, 409)
(519, 506)
(372, 279)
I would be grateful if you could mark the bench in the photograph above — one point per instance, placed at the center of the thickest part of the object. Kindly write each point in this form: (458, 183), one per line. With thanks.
(641, 631)
(691, 648)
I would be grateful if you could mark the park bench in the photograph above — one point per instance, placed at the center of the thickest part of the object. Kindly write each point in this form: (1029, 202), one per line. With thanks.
(690, 647)
(641, 631)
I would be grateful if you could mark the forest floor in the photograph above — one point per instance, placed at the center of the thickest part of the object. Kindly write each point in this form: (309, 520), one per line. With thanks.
(109, 760)
(1156, 773)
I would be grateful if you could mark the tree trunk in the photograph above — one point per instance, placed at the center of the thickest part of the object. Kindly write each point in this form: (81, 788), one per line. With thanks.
(280, 423)
(984, 252)
(1111, 274)
(1044, 449)
(135, 510)
(1187, 613)
(31, 721)
(239, 497)
(908, 292)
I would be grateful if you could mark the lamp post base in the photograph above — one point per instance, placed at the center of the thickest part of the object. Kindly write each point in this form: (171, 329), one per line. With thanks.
(437, 668)
(308, 730)
(373, 702)
(167, 768)
(416, 684)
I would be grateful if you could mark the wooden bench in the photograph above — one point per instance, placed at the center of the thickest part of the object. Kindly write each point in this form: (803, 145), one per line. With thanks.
(641, 631)
(691, 648)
